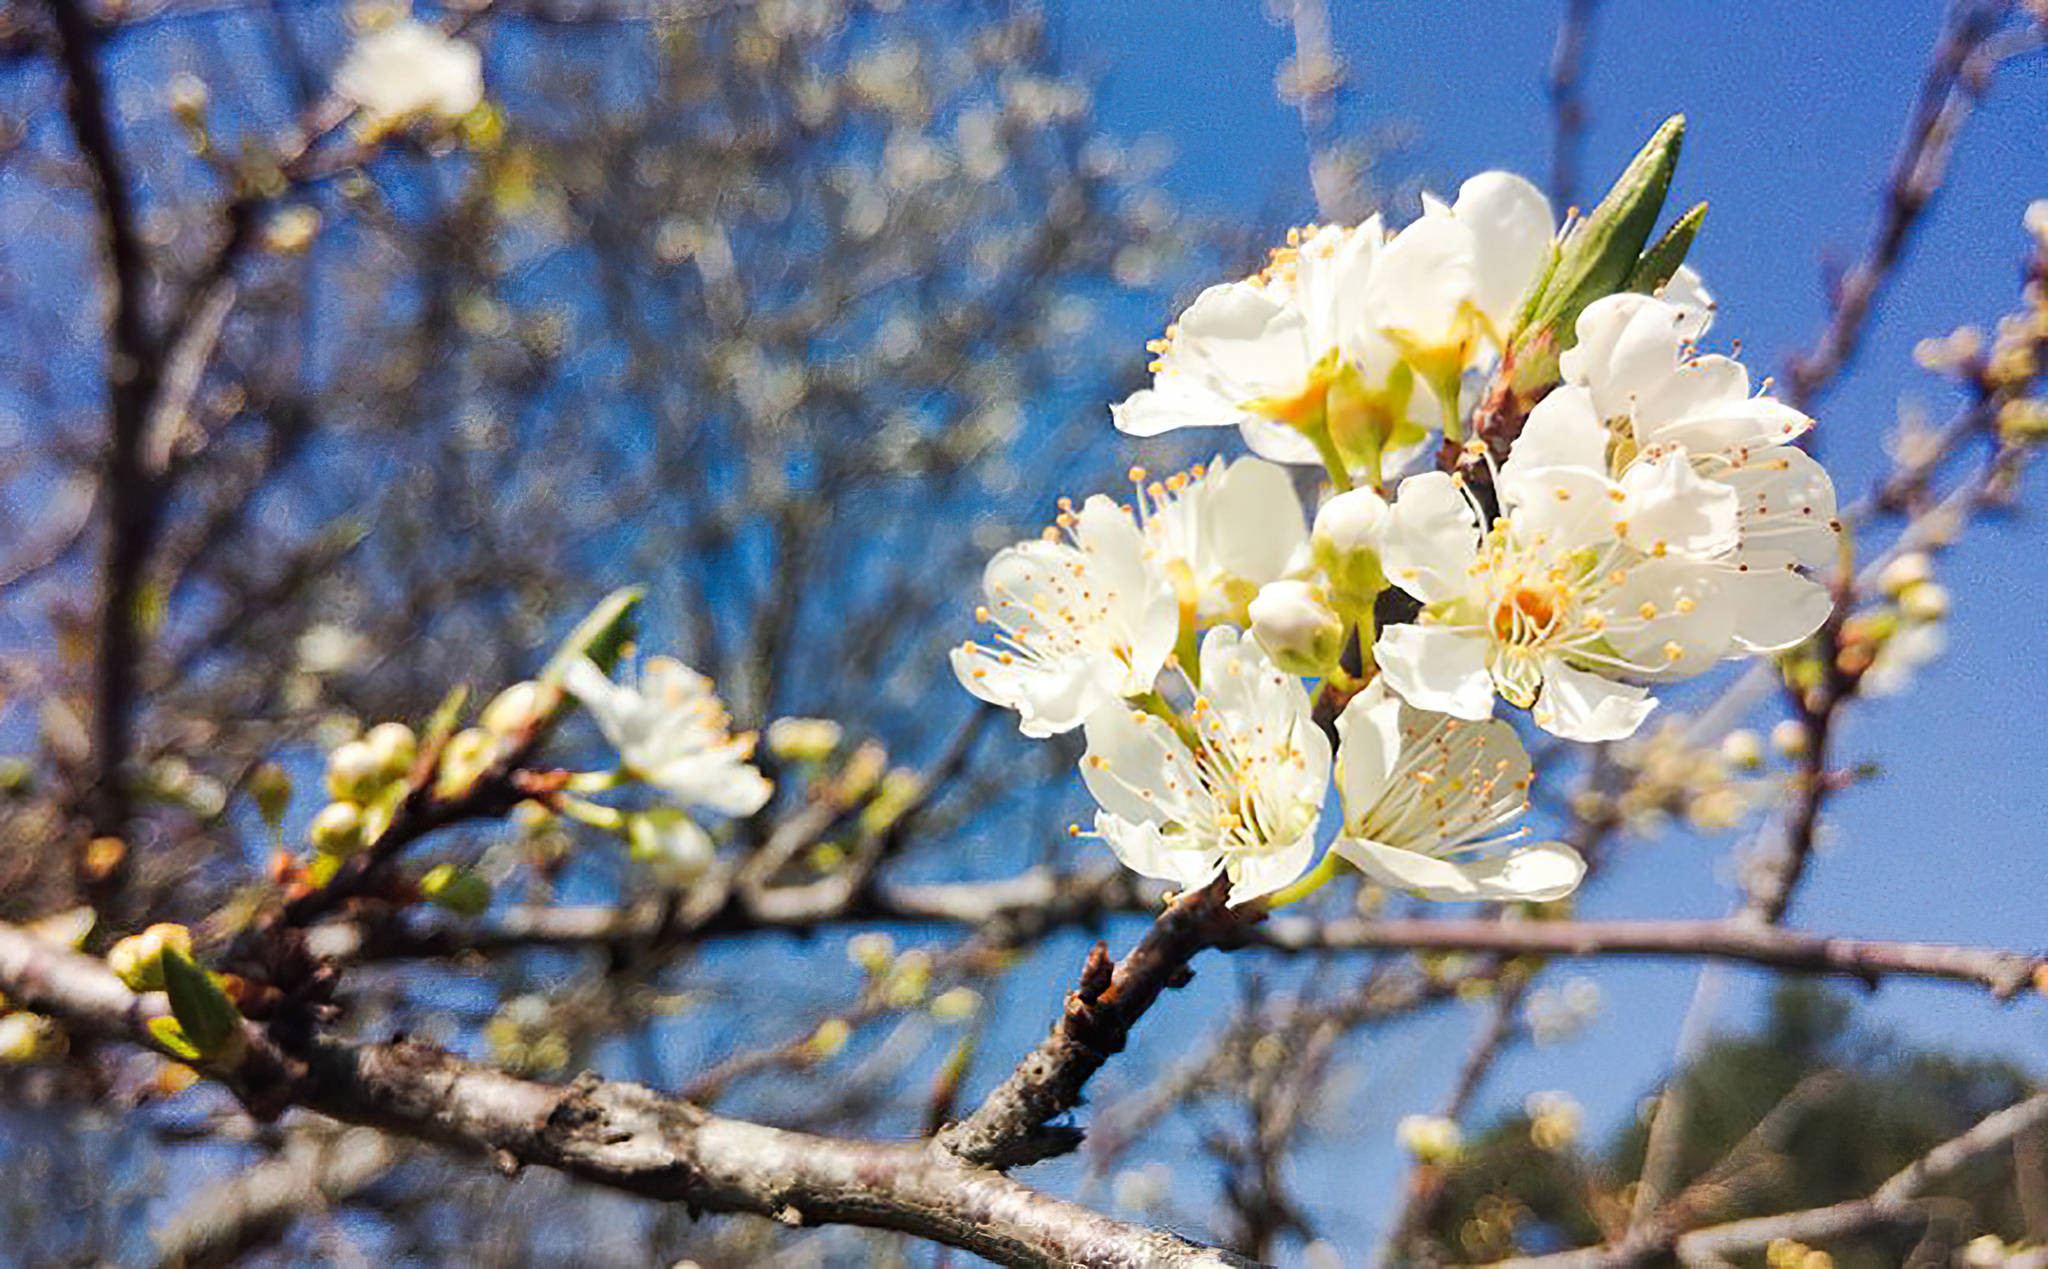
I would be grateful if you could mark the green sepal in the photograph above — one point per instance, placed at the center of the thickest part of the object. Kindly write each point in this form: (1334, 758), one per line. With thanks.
(169, 1035)
(602, 636)
(1596, 259)
(209, 1019)
(1656, 265)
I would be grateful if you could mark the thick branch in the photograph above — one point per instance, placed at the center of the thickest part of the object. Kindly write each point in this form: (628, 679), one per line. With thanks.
(624, 1136)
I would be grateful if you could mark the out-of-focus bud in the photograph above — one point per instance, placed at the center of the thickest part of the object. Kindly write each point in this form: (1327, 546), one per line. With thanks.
(188, 95)
(30, 1037)
(272, 790)
(1346, 542)
(291, 231)
(514, 710)
(1430, 1138)
(337, 829)
(1905, 572)
(467, 756)
(1294, 622)
(138, 960)
(1926, 602)
(803, 739)
(868, 763)
(1789, 737)
(900, 790)
(353, 772)
(909, 980)
(394, 747)
(1743, 749)
(670, 843)
(1554, 1120)
(457, 889)
(873, 952)
(830, 1037)
(2036, 221)
(955, 1004)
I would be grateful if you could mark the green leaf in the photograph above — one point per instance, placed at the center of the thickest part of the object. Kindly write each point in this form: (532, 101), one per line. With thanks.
(1597, 258)
(602, 636)
(1656, 265)
(171, 1036)
(202, 1009)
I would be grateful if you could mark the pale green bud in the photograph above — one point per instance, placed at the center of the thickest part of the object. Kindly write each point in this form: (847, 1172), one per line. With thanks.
(1294, 622)
(1905, 572)
(516, 709)
(467, 756)
(30, 1037)
(337, 829)
(803, 739)
(1743, 749)
(1790, 737)
(1926, 602)
(138, 960)
(1346, 542)
(353, 772)
(1430, 1138)
(394, 746)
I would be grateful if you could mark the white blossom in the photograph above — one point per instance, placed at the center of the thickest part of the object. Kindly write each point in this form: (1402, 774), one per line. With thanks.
(1222, 531)
(671, 731)
(1078, 623)
(1548, 606)
(1428, 800)
(410, 69)
(1237, 788)
(1660, 408)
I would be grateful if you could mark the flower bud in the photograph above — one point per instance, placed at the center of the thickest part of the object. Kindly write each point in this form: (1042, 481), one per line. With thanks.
(1789, 737)
(394, 746)
(671, 844)
(1296, 626)
(873, 951)
(1430, 1138)
(830, 1037)
(138, 959)
(1743, 749)
(353, 772)
(516, 709)
(955, 1004)
(803, 739)
(30, 1037)
(337, 829)
(467, 756)
(1926, 602)
(460, 891)
(1346, 542)
(1905, 572)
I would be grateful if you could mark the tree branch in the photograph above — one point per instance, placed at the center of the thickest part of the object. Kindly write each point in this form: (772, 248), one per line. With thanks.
(2002, 973)
(622, 1136)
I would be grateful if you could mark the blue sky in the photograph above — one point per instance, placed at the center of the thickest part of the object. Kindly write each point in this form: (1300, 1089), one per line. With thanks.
(1794, 110)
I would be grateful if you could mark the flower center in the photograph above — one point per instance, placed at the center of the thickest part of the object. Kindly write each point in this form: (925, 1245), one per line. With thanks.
(1526, 614)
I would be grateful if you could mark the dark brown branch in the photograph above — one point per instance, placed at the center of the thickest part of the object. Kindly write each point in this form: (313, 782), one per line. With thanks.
(131, 498)
(623, 1136)
(2002, 973)
(1009, 1128)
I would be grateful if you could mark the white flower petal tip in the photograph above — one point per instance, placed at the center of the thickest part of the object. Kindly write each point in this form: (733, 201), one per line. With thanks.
(408, 70)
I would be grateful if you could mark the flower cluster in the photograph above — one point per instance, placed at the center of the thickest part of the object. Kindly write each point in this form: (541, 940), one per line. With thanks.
(1611, 509)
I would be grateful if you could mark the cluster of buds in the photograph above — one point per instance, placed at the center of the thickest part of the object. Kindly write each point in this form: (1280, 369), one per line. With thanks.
(1612, 509)
(366, 778)
(1673, 773)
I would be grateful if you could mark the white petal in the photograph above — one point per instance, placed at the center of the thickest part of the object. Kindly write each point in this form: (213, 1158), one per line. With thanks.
(1564, 430)
(1423, 279)
(1511, 227)
(1252, 876)
(1432, 537)
(1147, 850)
(1156, 410)
(1666, 506)
(1253, 521)
(1137, 769)
(1532, 874)
(1687, 293)
(1577, 705)
(1774, 605)
(1437, 670)
(1368, 747)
